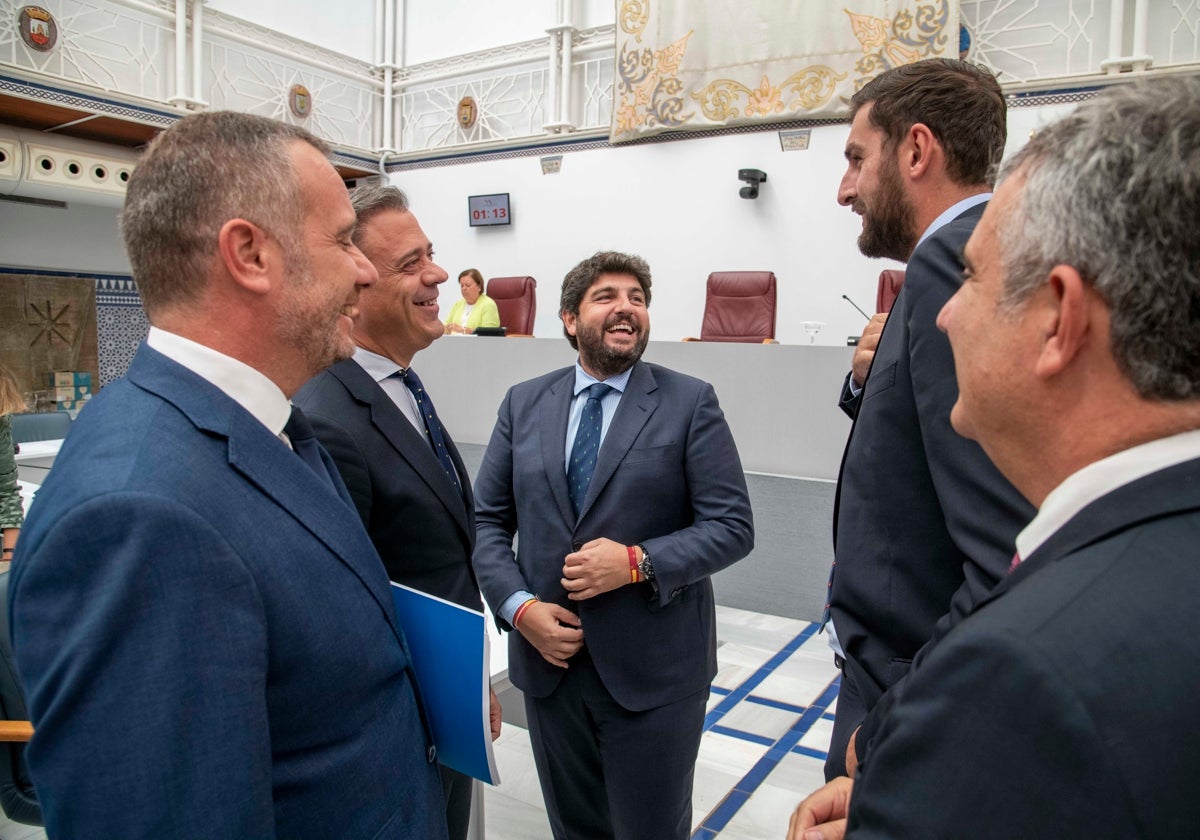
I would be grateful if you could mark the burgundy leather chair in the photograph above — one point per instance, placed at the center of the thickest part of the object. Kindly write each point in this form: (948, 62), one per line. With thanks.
(516, 299)
(890, 281)
(739, 306)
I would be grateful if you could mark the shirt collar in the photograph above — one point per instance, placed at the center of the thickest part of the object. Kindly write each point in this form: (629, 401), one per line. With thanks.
(1099, 479)
(583, 379)
(953, 212)
(379, 367)
(246, 386)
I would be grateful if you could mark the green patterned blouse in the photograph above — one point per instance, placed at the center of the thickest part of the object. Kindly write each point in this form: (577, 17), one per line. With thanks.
(11, 515)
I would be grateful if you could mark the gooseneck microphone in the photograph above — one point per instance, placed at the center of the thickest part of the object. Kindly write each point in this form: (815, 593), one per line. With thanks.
(856, 306)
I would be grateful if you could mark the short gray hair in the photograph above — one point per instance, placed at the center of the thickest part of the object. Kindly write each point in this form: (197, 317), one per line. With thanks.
(580, 278)
(1113, 190)
(370, 200)
(198, 174)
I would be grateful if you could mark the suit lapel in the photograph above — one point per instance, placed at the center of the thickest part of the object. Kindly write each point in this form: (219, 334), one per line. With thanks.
(406, 440)
(554, 411)
(267, 464)
(637, 404)
(1165, 493)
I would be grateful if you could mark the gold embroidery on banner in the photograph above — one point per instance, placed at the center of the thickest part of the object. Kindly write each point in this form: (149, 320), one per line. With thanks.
(811, 87)
(647, 84)
(906, 38)
(633, 17)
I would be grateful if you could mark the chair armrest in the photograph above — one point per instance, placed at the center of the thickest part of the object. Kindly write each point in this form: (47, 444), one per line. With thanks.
(15, 730)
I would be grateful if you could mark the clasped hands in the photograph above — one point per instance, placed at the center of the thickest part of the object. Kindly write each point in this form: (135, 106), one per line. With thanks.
(598, 566)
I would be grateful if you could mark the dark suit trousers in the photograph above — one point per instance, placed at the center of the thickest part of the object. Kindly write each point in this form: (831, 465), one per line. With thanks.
(850, 713)
(608, 773)
(456, 787)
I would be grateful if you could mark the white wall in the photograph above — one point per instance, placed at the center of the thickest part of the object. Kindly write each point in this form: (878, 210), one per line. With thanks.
(435, 29)
(79, 238)
(675, 204)
(347, 26)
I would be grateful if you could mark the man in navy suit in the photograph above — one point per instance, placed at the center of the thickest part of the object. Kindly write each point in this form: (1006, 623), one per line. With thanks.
(417, 508)
(205, 634)
(1064, 706)
(910, 548)
(623, 485)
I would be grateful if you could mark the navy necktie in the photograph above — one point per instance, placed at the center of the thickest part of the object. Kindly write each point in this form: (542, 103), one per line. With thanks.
(304, 443)
(437, 435)
(586, 446)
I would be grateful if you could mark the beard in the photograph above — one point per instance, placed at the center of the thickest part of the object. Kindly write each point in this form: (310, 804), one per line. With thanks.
(888, 227)
(602, 360)
(313, 331)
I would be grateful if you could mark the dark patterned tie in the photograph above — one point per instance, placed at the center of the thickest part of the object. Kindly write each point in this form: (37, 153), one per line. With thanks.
(437, 435)
(304, 443)
(586, 446)
(828, 596)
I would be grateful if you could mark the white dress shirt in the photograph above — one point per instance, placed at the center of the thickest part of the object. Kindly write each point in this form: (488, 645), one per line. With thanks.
(241, 383)
(1101, 478)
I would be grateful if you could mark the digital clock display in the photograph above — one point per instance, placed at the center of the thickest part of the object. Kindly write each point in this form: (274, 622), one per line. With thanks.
(487, 210)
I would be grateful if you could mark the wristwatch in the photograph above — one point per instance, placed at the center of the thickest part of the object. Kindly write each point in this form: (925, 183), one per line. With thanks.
(645, 566)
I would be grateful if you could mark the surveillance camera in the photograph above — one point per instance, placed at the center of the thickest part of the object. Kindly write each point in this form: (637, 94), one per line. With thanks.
(752, 176)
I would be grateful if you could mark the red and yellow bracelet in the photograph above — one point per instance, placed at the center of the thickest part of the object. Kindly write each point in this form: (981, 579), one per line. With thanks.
(521, 611)
(634, 574)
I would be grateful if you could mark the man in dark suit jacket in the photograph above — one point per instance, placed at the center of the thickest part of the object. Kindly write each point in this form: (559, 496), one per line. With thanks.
(419, 512)
(205, 634)
(910, 549)
(609, 589)
(1064, 706)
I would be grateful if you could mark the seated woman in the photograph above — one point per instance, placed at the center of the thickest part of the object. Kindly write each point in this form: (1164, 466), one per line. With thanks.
(475, 309)
(11, 515)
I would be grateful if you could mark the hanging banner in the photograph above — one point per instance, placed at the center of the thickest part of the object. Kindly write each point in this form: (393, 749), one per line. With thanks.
(692, 65)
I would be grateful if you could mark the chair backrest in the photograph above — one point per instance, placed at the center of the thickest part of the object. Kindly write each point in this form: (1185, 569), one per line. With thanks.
(516, 299)
(739, 306)
(17, 796)
(48, 425)
(890, 282)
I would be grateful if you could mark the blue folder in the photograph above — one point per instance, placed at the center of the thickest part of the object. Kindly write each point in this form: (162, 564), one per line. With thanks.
(449, 649)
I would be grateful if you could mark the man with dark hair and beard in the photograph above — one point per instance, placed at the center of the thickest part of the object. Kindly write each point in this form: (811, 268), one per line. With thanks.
(923, 523)
(625, 486)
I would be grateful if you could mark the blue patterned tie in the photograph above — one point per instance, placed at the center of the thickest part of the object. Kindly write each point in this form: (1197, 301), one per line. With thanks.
(437, 435)
(304, 443)
(586, 446)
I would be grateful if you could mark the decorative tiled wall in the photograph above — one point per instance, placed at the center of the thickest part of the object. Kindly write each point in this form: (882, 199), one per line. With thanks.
(120, 325)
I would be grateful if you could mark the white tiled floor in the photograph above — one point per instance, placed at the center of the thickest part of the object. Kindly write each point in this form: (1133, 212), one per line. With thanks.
(746, 750)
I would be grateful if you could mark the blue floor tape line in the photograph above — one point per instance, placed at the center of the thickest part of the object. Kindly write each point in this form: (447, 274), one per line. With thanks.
(720, 816)
(754, 680)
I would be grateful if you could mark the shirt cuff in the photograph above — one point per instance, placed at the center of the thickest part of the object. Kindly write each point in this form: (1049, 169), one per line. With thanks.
(509, 608)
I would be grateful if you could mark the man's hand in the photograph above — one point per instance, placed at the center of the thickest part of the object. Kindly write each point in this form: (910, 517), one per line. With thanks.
(822, 816)
(555, 631)
(600, 566)
(494, 714)
(865, 352)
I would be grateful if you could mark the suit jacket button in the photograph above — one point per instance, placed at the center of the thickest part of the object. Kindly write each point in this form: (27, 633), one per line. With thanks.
(431, 754)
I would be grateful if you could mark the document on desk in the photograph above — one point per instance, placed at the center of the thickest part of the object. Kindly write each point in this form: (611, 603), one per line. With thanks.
(449, 649)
